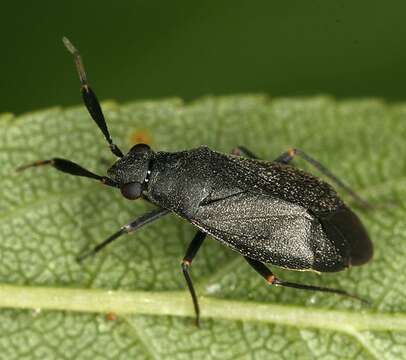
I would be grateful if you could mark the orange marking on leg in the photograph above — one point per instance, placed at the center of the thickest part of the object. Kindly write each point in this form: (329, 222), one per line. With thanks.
(270, 279)
(186, 262)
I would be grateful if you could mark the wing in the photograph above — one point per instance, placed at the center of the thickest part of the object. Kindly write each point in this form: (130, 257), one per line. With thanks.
(284, 182)
(264, 210)
(268, 229)
(341, 225)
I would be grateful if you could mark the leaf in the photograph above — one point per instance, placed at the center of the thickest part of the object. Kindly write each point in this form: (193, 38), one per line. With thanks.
(47, 218)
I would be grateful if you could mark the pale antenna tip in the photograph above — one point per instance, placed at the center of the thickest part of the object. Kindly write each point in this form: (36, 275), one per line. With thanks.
(69, 45)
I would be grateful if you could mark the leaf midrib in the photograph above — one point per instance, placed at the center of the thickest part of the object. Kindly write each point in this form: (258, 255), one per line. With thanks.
(177, 303)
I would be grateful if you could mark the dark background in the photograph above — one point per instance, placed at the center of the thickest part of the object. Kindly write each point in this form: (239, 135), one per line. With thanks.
(153, 49)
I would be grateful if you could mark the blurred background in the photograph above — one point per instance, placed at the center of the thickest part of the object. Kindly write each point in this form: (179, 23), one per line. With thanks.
(136, 49)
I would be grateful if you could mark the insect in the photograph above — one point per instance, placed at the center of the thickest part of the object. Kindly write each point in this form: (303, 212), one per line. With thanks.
(267, 211)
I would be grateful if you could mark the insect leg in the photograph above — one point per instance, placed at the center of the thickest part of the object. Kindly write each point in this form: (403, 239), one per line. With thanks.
(69, 167)
(186, 262)
(128, 228)
(90, 99)
(288, 156)
(263, 270)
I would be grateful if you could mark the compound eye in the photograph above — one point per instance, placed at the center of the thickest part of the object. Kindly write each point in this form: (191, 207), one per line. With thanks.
(140, 148)
(131, 191)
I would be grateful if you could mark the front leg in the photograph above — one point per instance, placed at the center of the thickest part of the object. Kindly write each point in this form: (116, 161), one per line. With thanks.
(128, 228)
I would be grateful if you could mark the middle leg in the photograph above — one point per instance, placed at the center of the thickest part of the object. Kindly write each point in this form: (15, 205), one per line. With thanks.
(197, 242)
(186, 262)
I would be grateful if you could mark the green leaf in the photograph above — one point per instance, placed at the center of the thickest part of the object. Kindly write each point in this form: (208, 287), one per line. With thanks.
(54, 308)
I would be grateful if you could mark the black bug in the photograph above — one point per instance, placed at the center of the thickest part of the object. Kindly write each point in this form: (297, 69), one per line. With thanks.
(266, 211)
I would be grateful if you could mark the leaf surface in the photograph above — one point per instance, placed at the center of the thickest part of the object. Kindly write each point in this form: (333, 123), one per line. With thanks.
(47, 218)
